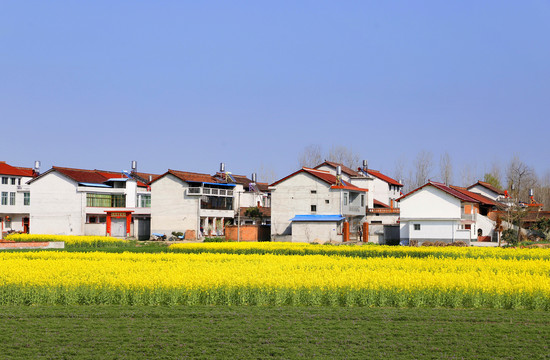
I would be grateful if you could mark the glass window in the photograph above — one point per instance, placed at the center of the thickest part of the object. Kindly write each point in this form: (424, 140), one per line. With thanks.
(362, 200)
(4, 198)
(4, 180)
(314, 191)
(417, 226)
(12, 198)
(345, 198)
(13, 181)
(145, 201)
(26, 198)
(313, 208)
(105, 200)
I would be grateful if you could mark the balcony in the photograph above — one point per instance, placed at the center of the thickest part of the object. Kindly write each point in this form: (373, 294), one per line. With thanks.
(468, 217)
(199, 191)
(383, 211)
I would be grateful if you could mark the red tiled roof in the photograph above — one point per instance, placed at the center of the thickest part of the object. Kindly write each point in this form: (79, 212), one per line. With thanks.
(487, 186)
(345, 169)
(482, 199)
(28, 171)
(91, 176)
(265, 211)
(324, 176)
(383, 177)
(377, 203)
(191, 177)
(6, 169)
(445, 188)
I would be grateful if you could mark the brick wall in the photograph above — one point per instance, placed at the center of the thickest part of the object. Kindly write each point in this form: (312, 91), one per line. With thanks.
(248, 232)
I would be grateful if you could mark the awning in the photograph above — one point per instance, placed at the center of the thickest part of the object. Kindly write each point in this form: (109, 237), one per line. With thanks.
(95, 185)
(328, 218)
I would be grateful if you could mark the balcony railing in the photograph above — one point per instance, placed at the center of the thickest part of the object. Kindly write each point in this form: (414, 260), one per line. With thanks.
(383, 211)
(208, 191)
(468, 217)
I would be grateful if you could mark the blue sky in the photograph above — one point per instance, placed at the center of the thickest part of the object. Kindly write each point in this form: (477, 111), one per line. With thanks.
(188, 84)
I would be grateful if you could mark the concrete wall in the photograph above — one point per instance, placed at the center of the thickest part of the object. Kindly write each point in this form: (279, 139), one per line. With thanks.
(56, 206)
(315, 231)
(171, 208)
(430, 203)
(294, 196)
(478, 189)
(434, 230)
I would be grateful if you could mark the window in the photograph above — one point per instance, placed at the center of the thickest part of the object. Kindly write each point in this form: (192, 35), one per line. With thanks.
(417, 226)
(105, 200)
(12, 198)
(4, 180)
(362, 200)
(345, 198)
(145, 201)
(92, 219)
(26, 198)
(4, 198)
(313, 208)
(327, 201)
(19, 181)
(13, 181)
(314, 191)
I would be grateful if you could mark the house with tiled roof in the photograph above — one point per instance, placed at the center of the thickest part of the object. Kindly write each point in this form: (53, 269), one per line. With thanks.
(14, 198)
(382, 209)
(72, 201)
(487, 190)
(438, 212)
(313, 204)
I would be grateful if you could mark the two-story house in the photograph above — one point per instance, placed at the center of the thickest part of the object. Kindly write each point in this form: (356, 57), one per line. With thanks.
(438, 212)
(311, 205)
(184, 201)
(15, 198)
(69, 201)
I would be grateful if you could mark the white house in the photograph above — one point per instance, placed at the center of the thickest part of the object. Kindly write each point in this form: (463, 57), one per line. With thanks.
(311, 205)
(487, 190)
(437, 212)
(15, 198)
(70, 201)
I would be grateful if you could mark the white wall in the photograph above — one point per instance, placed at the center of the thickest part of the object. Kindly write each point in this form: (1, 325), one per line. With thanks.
(56, 206)
(430, 203)
(171, 208)
(478, 189)
(293, 197)
(315, 231)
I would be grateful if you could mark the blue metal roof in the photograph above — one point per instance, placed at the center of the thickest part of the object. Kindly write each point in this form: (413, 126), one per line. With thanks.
(221, 184)
(317, 218)
(95, 185)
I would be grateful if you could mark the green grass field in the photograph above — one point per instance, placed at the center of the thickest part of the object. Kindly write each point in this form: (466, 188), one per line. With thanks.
(224, 332)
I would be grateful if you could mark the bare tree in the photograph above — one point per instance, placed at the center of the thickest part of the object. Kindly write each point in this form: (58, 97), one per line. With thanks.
(520, 178)
(345, 156)
(446, 168)
(468, 174)
(311, 156)
(266, 174)
(423, 165)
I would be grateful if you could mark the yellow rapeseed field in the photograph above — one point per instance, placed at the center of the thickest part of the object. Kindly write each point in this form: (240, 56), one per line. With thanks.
(70, 240)
(167, 278)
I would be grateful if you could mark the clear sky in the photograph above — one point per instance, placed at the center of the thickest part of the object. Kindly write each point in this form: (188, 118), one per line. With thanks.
(188, 84)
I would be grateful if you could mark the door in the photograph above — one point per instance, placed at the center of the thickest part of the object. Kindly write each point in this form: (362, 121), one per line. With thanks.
(118, 227)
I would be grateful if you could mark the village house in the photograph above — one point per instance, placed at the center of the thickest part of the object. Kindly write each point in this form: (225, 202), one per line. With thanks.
(69, 201)
(15, 198)
(312, 205)
(438, 212)
(199, 204)
(383, 210)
